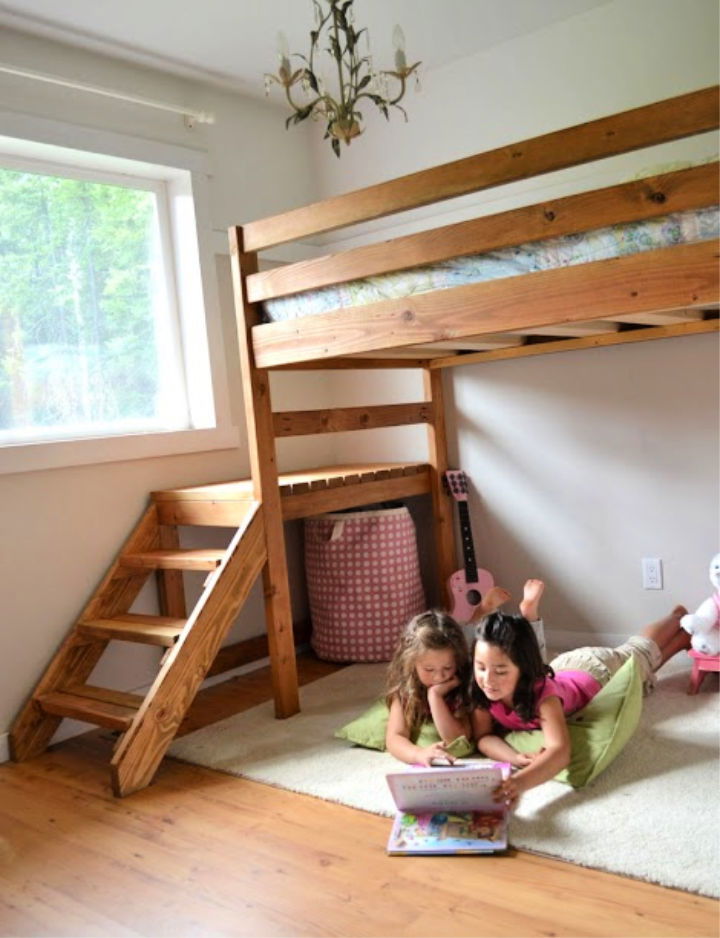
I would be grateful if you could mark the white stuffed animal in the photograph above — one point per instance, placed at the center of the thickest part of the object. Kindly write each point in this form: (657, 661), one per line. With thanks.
(704, 624)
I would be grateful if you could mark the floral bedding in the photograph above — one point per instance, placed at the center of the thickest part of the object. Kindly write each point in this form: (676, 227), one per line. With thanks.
(603, 243)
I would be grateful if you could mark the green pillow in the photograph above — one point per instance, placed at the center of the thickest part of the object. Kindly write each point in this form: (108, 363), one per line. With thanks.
(369, 729)
(599, 731)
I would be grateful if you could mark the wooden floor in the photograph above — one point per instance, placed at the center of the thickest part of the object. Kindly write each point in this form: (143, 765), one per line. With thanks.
(204, 854)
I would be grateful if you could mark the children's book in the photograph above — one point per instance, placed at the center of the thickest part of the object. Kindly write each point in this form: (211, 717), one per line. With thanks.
(448, 809)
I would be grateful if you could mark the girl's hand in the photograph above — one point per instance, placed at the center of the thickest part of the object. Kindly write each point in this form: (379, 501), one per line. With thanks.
(441, 690)
(437, 751)
(525, 758)
(508, 792)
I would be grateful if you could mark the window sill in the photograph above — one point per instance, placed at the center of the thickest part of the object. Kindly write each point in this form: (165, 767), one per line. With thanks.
(62, 454)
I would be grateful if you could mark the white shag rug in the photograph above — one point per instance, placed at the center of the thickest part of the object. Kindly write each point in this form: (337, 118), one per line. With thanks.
(653, 814)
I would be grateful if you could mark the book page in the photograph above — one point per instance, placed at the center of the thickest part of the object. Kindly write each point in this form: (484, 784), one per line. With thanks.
(465, 788)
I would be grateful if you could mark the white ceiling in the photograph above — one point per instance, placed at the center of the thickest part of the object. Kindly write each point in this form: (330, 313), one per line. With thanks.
(233, 42)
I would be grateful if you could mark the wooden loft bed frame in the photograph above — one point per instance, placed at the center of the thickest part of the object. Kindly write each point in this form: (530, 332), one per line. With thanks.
(672, 291)
(661, 293)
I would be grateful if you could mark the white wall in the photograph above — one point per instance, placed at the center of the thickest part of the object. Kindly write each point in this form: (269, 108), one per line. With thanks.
(61, 528)
(584, 462)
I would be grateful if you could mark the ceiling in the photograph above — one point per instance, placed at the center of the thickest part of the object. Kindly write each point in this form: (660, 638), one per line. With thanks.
(231, 43)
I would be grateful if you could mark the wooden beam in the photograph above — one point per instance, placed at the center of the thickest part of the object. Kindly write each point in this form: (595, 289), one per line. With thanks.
(250, 650)
(669, 278)
(340, 419)
(354, 364)
(672, 119)
(355, 493)
(568, 345)
(263, 466)
(443, 532)
(654, 196)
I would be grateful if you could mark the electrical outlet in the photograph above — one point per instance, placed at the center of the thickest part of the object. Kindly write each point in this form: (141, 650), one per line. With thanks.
(652, 573)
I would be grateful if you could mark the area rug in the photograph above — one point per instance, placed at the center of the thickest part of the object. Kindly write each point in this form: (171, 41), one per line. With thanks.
(652, 815)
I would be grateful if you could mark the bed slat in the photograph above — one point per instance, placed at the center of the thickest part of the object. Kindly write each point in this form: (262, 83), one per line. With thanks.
(570, 345)
(672, 119)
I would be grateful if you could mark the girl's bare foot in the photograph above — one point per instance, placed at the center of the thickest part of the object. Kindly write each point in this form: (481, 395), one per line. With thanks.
(495, 597)
(530, 603)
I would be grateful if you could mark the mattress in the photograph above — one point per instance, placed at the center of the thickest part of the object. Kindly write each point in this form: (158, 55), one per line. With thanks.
(600, 244)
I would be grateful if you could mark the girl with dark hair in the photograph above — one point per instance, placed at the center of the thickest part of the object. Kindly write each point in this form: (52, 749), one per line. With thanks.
(514, 690)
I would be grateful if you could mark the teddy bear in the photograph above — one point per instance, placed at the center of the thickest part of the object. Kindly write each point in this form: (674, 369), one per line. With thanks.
(704, 624)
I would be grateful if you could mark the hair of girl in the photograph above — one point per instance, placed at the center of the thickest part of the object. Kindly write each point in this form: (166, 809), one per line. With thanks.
(429, 631)
(516, 638)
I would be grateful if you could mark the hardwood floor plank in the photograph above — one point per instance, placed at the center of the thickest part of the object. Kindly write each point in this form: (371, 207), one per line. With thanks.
(200, 853)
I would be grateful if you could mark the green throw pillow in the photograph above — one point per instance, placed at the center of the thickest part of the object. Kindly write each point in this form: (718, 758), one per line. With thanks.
(368, 730)
(599, 731)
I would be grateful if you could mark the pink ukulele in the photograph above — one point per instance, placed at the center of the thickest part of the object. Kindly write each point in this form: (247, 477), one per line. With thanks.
(467, 586)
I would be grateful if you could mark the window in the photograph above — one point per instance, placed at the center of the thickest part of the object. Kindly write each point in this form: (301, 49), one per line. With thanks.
(105, 336)
(88, 337)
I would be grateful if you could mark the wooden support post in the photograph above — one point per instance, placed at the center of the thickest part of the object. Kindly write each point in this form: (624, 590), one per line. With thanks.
(438, 459)
(261, 446)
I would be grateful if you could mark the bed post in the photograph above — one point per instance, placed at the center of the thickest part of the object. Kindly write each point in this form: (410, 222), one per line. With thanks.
(438, 459)
(263, 466)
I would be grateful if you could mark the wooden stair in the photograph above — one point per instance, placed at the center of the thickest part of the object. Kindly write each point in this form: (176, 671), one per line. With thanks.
(188, 643)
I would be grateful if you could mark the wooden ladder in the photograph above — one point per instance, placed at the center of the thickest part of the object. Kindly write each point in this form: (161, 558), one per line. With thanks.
(148, 723)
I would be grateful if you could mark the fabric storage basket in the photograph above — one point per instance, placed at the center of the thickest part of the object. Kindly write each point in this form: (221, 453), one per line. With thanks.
(363, 578)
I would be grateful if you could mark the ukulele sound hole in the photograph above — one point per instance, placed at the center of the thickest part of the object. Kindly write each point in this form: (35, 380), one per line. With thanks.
(473, 597)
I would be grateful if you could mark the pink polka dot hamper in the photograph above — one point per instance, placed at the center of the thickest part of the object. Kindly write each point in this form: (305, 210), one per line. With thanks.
(363, 577)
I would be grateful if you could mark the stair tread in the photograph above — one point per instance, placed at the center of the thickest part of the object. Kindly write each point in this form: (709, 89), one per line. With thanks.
(101, 706)
(205, 558)
(133, 627)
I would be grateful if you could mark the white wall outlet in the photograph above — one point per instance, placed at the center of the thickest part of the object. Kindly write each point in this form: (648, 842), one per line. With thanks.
(652, 573)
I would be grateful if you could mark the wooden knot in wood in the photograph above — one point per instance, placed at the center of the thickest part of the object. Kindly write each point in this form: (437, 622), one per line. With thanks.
(408, 315)
(549, 215)
(658, 197)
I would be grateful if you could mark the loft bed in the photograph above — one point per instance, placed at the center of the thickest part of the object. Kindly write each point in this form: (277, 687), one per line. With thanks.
(631, 262)
(650, 271)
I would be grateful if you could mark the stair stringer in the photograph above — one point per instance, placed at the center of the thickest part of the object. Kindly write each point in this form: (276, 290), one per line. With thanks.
(77, 656)
(144, 744)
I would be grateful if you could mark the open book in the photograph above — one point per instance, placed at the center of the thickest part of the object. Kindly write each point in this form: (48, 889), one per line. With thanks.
(448, 809)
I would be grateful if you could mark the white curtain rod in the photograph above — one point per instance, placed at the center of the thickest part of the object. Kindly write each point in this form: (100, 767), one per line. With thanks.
(202, 117)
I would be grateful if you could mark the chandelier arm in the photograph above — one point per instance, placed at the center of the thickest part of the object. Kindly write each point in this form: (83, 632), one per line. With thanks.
(339, 60)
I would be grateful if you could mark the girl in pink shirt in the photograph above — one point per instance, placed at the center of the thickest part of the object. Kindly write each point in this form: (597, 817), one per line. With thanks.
(513, 689)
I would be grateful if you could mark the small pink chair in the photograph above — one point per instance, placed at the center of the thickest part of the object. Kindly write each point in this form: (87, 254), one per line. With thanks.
(701, 665)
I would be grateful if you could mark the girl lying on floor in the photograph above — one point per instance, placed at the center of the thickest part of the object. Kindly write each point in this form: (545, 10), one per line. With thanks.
(514, 690)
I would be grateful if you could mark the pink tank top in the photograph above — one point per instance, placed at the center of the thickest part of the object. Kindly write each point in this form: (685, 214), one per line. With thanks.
(573, 688)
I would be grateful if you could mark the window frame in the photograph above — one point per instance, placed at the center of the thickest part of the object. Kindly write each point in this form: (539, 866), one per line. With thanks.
(180, 178)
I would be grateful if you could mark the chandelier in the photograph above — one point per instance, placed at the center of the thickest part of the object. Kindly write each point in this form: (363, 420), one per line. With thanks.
(354, 80)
